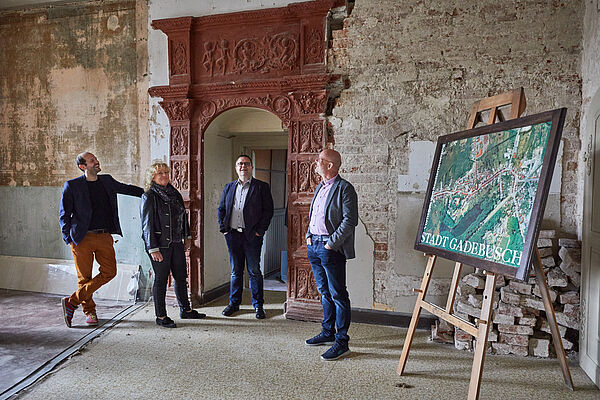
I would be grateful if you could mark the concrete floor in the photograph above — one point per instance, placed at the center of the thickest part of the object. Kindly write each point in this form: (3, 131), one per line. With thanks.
(32, 331)
(244, 358)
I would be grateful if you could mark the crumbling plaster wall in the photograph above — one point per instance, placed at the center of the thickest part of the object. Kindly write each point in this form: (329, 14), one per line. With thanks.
(414, 70)
(70, 79)
(590, 73)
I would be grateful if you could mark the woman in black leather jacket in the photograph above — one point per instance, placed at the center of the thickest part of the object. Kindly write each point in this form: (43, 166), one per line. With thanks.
(166, 230)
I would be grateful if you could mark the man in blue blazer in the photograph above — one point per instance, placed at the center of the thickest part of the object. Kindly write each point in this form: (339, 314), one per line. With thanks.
(88, 217)
(330, 242)
(245, 212)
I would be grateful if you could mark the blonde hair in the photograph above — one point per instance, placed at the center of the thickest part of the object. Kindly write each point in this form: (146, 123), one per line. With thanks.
(152, 170)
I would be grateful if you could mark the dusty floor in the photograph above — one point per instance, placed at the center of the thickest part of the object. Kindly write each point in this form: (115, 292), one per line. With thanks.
(32, 331)
(244, 358)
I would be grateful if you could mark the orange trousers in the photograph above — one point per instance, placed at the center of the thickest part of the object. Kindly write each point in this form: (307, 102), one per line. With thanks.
(99, 245)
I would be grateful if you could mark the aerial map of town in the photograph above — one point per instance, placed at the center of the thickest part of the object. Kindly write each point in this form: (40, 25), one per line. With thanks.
(483, 194)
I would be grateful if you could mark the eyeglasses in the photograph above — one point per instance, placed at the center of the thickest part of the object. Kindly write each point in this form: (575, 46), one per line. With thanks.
(246, 163)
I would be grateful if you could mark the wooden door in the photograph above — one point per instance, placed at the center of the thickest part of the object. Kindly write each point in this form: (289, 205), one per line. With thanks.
(590, 289)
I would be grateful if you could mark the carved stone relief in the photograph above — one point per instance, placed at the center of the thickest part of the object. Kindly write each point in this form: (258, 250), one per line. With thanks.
(304, 179)
(311, 137)
(310, 102)
(314, 45)
(177, 110)
(250, 55)
(307, 289)
(179, 140)
(257, 65)
(179, 174)
(280, 105)
(179, 59)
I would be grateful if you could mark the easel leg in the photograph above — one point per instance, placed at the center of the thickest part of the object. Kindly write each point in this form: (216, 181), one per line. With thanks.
(416, 314)
(482, 336)
(558, 345)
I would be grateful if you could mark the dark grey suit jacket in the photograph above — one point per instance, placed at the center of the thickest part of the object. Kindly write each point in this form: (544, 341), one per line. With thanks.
(341, 216)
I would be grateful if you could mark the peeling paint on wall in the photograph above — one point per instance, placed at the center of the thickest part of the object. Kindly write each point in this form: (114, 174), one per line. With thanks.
(68, 84)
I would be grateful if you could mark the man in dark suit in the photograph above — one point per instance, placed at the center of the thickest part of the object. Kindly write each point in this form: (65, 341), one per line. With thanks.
(245, 212)
(330, 242)
(88, 217)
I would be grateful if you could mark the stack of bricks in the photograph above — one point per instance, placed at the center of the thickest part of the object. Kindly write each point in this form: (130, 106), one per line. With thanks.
(519, 321)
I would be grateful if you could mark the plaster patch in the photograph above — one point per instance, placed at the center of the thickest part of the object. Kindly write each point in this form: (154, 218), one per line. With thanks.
(112, 23)
(419, 167)
(72, 85)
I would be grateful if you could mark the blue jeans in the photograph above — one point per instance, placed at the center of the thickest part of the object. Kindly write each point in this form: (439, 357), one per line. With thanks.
(329, 269)
(245, 252)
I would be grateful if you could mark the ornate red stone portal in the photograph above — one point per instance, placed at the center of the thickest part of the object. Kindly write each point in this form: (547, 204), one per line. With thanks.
(273, 59)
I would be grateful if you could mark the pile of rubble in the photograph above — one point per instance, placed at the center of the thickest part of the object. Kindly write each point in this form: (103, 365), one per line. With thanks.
(519, 321)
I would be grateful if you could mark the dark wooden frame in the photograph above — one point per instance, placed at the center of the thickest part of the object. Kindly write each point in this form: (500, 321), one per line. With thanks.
(557, 117)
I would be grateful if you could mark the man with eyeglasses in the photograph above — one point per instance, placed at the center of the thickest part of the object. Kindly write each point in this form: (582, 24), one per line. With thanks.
(330, 242)
(245, 212)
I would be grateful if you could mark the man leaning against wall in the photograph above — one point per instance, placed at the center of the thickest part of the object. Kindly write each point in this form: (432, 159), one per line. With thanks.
(88, 218)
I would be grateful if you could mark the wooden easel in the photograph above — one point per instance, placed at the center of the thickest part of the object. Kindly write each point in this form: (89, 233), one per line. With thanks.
(516, 99)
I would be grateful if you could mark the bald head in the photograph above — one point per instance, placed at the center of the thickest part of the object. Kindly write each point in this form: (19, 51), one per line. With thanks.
(328, 163)
(332, 156)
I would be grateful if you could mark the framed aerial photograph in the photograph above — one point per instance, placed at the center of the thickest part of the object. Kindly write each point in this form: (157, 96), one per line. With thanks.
(487, 192)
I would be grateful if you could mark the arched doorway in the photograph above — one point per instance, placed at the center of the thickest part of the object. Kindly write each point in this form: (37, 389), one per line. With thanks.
(261, 135)
(272, 59)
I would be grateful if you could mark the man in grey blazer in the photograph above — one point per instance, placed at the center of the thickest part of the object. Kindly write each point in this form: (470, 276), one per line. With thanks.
(330, 242)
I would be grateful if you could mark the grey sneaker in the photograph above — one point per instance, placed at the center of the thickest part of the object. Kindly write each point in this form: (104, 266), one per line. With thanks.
(336, 351)
(320, 339)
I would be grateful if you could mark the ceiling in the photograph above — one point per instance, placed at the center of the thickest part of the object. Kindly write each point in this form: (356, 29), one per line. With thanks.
(8, 4)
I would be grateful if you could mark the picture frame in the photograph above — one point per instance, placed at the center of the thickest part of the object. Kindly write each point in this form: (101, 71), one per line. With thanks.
(487, 192)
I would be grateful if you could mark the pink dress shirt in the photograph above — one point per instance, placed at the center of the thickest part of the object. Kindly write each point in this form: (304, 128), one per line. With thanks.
(317, 218)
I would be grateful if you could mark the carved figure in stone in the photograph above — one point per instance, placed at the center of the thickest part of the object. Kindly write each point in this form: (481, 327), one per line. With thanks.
(333, 218)
(282, 106)
(208, 58)
(223, 60)
(249, 55)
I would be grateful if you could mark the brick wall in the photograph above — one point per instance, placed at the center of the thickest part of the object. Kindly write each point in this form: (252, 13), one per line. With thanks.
(414, 70)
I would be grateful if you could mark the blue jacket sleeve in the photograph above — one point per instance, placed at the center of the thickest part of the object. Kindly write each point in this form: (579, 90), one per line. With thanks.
(267, 209)
(66, 213)
(130, 190)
